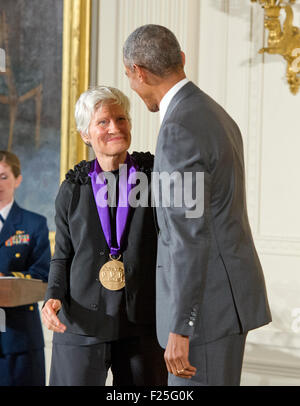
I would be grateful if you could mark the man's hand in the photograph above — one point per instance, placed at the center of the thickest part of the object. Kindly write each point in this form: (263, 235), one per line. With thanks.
(49, 317)
(177, 356)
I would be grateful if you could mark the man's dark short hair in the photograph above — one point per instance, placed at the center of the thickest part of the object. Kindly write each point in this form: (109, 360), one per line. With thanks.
(153, 47)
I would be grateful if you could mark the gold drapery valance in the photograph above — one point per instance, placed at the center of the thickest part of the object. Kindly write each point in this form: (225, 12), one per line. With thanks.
(75, 80)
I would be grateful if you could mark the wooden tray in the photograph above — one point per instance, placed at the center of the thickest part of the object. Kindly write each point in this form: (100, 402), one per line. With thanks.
(21, 291)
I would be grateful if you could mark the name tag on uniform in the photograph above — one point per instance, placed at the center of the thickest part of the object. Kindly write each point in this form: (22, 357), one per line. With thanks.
(18, 239)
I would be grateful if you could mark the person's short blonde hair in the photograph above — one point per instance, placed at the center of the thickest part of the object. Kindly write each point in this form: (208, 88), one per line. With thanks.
(94, 98)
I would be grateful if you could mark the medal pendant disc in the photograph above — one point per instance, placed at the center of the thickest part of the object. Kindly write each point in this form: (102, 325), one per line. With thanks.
(112, 275)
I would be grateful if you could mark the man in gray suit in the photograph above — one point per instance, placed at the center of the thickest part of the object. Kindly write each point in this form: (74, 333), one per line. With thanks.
(210, 285)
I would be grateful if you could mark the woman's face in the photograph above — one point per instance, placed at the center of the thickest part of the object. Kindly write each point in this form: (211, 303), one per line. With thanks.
(8, 184)
(109, 131)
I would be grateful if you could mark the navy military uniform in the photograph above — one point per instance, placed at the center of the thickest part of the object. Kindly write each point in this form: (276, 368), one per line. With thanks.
(24, 252)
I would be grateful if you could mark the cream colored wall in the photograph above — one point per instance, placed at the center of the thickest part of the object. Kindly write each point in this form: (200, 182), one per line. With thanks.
(117, 19)
(221, 39)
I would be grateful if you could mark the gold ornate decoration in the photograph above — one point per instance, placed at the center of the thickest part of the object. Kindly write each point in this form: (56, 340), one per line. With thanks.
(75, 80)
(52, 241)
(283, 39)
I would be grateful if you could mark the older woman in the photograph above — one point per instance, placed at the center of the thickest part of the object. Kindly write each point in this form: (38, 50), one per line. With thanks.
(24, 252)
(102, 276)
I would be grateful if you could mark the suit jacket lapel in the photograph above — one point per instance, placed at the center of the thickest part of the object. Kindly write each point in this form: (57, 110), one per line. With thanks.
(14, 218)
(185, 91)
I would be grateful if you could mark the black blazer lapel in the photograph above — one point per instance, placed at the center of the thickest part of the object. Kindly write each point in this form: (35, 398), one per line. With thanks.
(10, 226)
(90, 211)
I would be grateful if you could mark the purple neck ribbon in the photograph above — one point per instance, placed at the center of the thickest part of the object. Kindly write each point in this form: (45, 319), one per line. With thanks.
(99, 186)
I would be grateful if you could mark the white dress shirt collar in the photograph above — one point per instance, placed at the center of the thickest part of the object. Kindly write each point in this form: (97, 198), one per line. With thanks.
(165, 101)
(5, 212)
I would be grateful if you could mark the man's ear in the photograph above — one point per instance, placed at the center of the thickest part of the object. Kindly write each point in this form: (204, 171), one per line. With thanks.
(146, 77)
(141, 72)
(183, 58)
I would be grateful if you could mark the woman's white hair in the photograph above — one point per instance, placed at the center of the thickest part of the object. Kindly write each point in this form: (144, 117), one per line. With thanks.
(94, 98)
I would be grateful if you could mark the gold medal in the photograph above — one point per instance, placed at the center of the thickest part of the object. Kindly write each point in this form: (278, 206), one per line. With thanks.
(112, 274)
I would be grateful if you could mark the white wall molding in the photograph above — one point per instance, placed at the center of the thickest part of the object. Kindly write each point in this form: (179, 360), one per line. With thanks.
(258, 367)
(257, 373)
(274, 245)
(271, 365)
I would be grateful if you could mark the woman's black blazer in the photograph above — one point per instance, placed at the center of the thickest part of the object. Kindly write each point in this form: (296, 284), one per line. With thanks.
(81, 250)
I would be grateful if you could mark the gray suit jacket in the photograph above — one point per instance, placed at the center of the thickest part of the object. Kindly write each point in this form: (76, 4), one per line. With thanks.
(210, 282)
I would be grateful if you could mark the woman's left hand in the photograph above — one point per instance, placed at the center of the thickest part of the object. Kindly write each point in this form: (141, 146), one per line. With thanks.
(49, 317)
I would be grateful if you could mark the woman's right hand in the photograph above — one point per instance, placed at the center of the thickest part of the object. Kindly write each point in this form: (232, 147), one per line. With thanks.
(49, 317)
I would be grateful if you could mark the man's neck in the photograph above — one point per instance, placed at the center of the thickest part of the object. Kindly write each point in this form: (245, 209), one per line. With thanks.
(111, 162)
(166, 84)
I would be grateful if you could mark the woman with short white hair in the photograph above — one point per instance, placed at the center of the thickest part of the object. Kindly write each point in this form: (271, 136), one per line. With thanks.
(100, 301)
